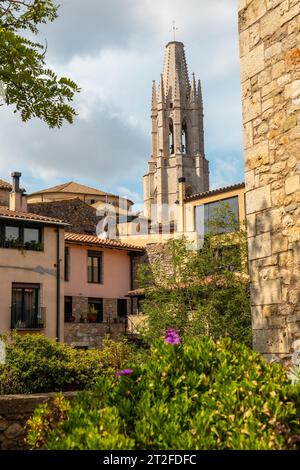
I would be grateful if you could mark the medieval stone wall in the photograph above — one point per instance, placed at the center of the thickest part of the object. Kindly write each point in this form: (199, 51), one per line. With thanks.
(15, 410)
(270, 76)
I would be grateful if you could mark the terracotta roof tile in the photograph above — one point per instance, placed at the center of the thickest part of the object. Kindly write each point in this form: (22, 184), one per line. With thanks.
(17, 215)
(94, 240)
(73, 187)
(5, 185)
(212, 192)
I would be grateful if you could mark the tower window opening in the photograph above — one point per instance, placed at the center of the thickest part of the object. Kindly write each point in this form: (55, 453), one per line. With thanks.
(184, 141)
(171, 137)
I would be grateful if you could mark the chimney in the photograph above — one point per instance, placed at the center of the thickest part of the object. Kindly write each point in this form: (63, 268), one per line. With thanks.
(17, 196)
(181, 190)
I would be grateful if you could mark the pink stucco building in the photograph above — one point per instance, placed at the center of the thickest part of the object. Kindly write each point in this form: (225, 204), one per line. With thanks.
(98, 277)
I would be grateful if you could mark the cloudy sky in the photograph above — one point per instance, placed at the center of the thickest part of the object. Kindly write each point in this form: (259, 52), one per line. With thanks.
(114, 49)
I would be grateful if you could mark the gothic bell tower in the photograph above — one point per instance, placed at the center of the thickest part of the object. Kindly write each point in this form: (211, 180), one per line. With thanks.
(177, 138)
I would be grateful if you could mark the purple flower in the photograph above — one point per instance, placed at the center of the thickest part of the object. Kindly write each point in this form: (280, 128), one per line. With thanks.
(172, 336)
(124, 372)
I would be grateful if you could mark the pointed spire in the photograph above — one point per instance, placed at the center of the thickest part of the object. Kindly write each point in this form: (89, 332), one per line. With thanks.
(193, 90)
(200, 99)
(175, 72)
(161, 90)
(154, 97)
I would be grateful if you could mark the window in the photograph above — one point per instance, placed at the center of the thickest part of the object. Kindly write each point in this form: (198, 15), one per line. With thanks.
(95, 267)
(12, 233)
(96, 305)
(67, 263)
(122, 308)
(206, 213)
(171, 137)
(184, 142)
(22, 237)
(68, 309)
(25, 310)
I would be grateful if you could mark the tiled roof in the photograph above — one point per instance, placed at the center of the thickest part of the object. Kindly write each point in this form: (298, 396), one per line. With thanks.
(73, 187)
(213, 192)
(101, 242)
(5, 213)
(5, 185)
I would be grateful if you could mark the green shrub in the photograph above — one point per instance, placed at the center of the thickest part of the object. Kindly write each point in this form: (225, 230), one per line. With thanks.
(35, 364)
(196, 395)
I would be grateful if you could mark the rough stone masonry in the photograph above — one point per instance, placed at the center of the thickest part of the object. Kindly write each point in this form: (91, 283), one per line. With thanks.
(270, 76)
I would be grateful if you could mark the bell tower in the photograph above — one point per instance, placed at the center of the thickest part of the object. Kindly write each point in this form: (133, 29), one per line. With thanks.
(177, 138)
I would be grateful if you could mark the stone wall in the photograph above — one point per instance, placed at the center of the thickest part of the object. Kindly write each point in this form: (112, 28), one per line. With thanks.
(15, 410)
(91, 335)
(156, 252)
(270, 76)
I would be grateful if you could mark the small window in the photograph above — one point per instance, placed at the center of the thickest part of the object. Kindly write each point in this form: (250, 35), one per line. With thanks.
(12, 233)
(94, 267)
(31, 235)
(122, 308)
(68, 310)
(96, 305)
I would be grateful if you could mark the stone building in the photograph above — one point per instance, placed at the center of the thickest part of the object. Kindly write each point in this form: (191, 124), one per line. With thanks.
(177, 139)
(270, 76)
(5, 189)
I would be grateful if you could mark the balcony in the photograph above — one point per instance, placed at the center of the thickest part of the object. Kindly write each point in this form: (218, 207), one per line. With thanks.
(27, 319)
(22, 246)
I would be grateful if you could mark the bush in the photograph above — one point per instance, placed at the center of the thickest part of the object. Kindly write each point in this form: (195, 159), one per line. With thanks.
(191, 396)
(36, 364)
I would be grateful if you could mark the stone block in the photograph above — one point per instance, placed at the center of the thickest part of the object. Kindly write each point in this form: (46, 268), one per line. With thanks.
(279, 243)
(257, 155)
(270, 23)
(271, 341)
(253, 62)
(273, 50)
(266, 292)
(292, 184)
(252, 107)
(258, 199)
(260, 246)
(258, 320)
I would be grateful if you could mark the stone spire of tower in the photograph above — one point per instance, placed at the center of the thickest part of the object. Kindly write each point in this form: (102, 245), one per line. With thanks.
(193, 90)
(177, 138)
(200, 99)
(175, 70)
(161, 91)
(154, 97)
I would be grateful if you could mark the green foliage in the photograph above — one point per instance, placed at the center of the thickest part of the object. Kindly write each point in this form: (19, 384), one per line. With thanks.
(204, 292)
(35, 364)
(197, 395)
(26, 82)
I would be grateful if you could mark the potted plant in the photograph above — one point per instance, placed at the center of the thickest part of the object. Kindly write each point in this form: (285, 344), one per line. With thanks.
(92, 314)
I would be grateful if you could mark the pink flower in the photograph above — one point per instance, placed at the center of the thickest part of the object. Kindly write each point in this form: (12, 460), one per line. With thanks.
(172, 337)
(124, 372)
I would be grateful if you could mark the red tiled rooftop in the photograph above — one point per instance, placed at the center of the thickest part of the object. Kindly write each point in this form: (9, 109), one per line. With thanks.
(101, 242)
(27, 216)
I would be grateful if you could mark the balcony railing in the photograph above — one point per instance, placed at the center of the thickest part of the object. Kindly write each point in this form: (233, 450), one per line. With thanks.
(27, 319)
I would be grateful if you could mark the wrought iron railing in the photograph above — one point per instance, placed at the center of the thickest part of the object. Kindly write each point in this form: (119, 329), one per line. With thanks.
(27, 319)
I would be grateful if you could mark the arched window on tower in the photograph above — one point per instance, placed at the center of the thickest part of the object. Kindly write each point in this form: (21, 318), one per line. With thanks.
(171, 137)
(184, 141)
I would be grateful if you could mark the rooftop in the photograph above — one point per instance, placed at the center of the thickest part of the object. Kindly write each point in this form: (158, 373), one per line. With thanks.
(5, 185)
(75, 188)
(213, 192)
(5, 213)
(100, 242)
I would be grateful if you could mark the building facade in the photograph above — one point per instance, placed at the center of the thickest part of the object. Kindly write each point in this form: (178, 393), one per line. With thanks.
(31, 269)
(270, 76)
(177, 139)
(98, 276)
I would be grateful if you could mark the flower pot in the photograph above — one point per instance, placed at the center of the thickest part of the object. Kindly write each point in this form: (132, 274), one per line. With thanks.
(92, 317)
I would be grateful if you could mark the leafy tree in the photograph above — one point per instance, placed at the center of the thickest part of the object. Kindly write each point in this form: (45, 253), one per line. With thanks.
(204, 292)
(25, 80)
